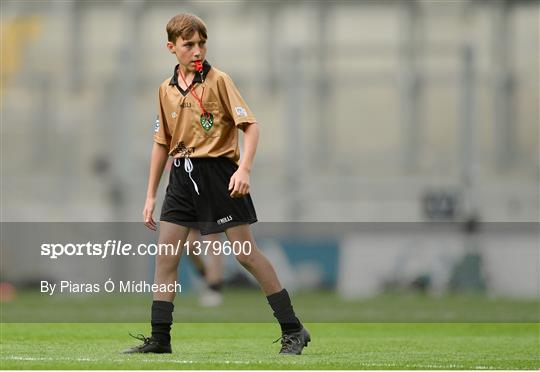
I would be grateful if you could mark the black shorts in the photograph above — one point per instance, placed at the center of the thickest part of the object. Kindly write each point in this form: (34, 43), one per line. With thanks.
(201, 199)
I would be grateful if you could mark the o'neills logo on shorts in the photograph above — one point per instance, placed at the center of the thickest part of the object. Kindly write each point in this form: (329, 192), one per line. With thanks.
(223, 220)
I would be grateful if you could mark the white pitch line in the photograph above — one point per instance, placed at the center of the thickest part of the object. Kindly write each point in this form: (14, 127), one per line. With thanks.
(41, 359)
(197, 361)
(243, 362)
(178, 361)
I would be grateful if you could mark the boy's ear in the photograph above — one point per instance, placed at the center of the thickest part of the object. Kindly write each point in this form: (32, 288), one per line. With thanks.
(170, 46)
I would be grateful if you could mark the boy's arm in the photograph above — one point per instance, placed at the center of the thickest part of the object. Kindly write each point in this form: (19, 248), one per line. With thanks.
(157, 164)
(239, 184)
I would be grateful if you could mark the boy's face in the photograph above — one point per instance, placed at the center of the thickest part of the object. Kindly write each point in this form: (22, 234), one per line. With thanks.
(188, 51)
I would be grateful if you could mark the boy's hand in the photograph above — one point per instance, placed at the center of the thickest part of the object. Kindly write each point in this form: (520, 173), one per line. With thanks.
(147, 213)
(239, 184)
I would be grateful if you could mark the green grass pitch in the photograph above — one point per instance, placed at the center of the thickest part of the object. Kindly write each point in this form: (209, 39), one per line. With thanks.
(386, 332)
(249, 346)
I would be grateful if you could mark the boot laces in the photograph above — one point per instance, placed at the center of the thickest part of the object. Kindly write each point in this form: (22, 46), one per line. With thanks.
(287, 341)
(140, 337)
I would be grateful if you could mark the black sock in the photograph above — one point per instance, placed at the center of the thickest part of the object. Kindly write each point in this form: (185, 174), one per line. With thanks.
(162, 321)
(280, 302)
(216, 286)
(201, 271)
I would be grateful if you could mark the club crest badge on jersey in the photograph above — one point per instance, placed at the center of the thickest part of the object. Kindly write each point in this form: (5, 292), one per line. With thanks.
(207, 121)
(156, 125)
(240, 111)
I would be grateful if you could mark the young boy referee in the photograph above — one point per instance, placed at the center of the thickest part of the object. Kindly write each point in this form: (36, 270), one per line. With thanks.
(199, 113)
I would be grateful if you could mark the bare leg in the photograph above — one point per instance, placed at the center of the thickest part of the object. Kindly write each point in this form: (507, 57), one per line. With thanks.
(214, 270)
(256, 263)
(210, 269)
(167, 264)
(194, 236)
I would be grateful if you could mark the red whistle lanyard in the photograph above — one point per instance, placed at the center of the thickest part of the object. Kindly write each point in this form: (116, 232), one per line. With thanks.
(198, 67)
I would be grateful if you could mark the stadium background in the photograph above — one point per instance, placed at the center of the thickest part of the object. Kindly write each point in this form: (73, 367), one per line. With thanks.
(404, 132)
(396, 181)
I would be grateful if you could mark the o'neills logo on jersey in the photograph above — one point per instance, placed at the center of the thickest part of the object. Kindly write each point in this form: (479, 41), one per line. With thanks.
(223, 220)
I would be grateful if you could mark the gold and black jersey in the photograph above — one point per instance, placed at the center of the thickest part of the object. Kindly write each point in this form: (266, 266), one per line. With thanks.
(179, 125)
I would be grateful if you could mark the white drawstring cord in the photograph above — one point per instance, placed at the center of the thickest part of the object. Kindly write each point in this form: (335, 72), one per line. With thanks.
(188, 167)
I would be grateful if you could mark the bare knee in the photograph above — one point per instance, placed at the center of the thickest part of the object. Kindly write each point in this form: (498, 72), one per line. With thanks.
(166, 264)
(246, 260)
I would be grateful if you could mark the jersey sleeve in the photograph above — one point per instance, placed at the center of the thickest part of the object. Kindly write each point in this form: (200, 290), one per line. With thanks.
(234, 103)
(161, 129)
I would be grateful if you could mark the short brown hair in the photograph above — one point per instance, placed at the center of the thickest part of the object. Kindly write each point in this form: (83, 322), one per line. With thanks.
(184, 25)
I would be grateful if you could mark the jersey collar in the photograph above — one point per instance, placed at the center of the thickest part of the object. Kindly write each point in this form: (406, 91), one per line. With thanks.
(196, 78)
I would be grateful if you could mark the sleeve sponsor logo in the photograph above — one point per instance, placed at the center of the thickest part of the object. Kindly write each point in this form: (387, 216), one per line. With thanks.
(240, 111)
(156, 125)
